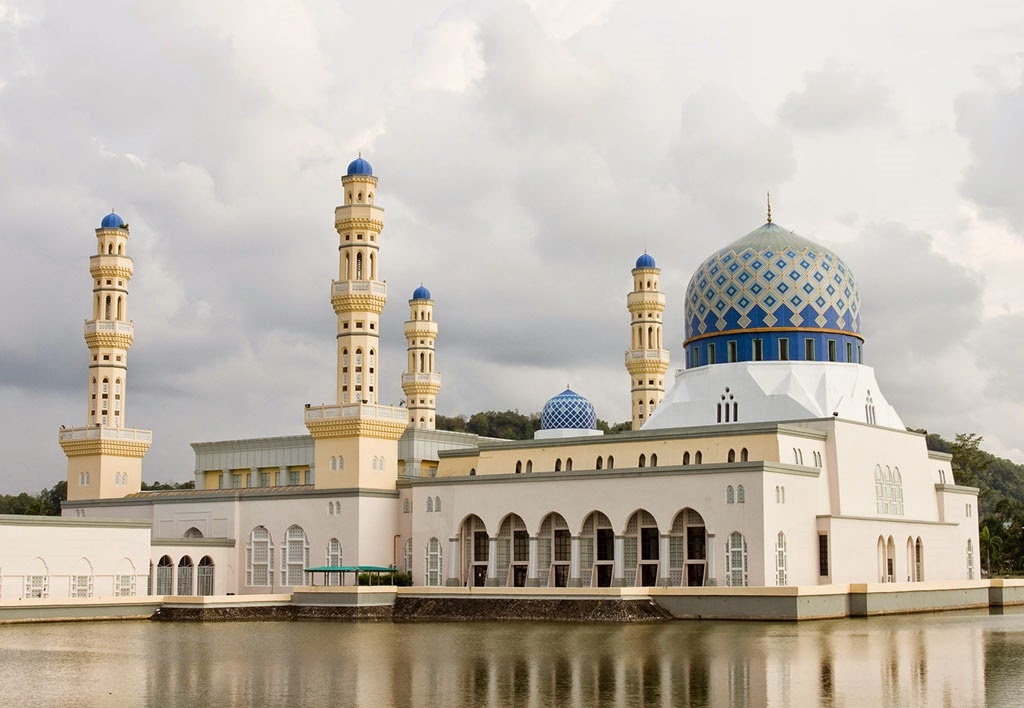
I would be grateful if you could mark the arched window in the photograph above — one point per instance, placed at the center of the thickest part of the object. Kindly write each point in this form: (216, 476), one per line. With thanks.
(185, 576)
(919, 560)
(359, 266)
(108, 310)
(193, 532)
(437, 504)
(698, 458)
(296, 556)
(686, 457)
(432, 568)
(204, 576)
(164, 576)
(611, 462)
(430, 504)
(406, 506)
(529, 466)
(780, 559)
(341, 463)
(568, 464)
(783, 490)
(334, 463)
(373, 268)
(730, 495)
(259, 571)
(558, 465)
(732, 456)
(519, 466)
(736, 560)
(599, 464)
(744, 455)
(879, 490)
(897, 492)
(408, 556)
(642, 462)
(330, 508)
(741, 495)
(970, 559)
(81, 581)
(654, 459)
(334, 553)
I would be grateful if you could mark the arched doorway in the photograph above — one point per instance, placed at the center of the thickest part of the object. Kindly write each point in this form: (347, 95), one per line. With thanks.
(641, 550)
(513, 552)
(165, 576)
(554, 550)
(597, 551)
(687, 550)
(475, 551)
(204, 576)
(185, 576)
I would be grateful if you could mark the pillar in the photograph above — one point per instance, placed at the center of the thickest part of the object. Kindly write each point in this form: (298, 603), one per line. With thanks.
(532, 578)
(492, 562)
(618, 576)
(664, 577)
(712, 577)
(453, 562)
(575, 580)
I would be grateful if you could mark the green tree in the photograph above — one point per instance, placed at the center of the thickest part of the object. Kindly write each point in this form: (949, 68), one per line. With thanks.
(968, 458)
(50, 499)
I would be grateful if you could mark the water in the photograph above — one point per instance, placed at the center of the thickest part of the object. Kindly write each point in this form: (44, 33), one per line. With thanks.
(952, 659)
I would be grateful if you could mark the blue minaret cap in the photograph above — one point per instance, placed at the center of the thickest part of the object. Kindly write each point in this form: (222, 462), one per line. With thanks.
(421, 293)
(645, 261)
(112, 221)
(359, 166)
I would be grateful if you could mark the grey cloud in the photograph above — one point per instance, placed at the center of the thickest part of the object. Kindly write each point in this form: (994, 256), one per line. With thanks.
(835, 98)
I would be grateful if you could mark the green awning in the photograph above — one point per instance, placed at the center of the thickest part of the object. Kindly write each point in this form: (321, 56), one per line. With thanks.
(351, 569)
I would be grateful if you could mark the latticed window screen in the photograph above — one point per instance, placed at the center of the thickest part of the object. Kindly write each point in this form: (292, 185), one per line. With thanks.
(630, 551)
(185, 577)
(408, 556)
(81, 586)
(164, 575)
(736, 560)
(124, 585)
(260, 558)
(504, 551)
(204, 576)
(780, 560)
(296, 556)
(37, 586)
(334, 552)
(587, 552)
(433, 563)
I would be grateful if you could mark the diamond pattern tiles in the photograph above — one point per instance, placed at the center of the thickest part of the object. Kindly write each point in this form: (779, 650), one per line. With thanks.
(772, 278)
(568, 410)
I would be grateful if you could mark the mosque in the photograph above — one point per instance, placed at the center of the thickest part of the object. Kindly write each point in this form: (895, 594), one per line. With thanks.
(773, 460)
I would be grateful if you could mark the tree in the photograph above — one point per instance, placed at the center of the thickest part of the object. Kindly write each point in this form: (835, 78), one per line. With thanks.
(968, 459)
(50, 499)
(163, 486)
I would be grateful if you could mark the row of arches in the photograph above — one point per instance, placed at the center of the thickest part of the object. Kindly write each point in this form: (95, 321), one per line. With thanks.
(259, 557)
(649, 338)
(888, 490)
(594, 556)
(697, 458)
(110, 307)
(353, 267)
(183, 578)
(39, 579)
(886, 551)
(111, 249)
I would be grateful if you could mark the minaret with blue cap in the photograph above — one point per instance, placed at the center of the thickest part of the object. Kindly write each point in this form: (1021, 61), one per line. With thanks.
(355, 440)
(646, 359)
(421, 382)
(105, 456)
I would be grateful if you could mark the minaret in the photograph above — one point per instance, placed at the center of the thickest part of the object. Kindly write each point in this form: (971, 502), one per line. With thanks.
(421, 381)
(355, 441)
(105, 456)
(646, 360)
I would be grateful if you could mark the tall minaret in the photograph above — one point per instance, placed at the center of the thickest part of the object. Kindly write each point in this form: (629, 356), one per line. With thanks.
(105, 456)
(421, 382)
(355, 442)
(646, 360)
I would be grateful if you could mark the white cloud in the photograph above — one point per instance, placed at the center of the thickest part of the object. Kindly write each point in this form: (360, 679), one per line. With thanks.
(835, 98)
(453, 58)
(563, 19)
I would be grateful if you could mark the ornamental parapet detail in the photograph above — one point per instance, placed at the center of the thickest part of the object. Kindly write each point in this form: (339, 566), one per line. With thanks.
(357, 223)
(96, 440)
(357, 420)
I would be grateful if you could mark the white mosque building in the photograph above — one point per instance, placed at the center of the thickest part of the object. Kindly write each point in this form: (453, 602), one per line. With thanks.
(773, 460)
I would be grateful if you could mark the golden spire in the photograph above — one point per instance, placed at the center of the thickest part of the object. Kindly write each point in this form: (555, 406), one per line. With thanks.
(769, 207)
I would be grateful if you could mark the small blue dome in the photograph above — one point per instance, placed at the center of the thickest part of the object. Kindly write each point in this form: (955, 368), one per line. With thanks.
(645, 261)
(112, 221)
(359, 166)
(568, 410)
(421, 293)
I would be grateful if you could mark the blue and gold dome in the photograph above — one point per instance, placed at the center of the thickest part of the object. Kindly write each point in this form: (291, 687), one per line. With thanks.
(769, 287)
(568, 410)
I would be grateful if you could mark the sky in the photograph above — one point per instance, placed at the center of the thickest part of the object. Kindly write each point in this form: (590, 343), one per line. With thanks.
(528, 151)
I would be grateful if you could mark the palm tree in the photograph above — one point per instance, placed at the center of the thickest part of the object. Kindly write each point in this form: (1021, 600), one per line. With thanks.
(987, 542)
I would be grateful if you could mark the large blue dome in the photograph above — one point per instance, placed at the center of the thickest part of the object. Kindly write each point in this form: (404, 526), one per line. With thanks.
(645, 261)
(112, 221)
(568, 410)
(421, 293)
(772, 285)
(359, 166)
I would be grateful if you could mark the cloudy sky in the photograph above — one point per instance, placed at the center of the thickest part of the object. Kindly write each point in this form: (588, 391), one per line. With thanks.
(527, 151)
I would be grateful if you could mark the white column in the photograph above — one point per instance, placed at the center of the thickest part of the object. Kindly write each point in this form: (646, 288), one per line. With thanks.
(711, 555)
(532, 580)
(492, 562)
(663, 573)
(618, 576)
(574, 562)
(453, 562)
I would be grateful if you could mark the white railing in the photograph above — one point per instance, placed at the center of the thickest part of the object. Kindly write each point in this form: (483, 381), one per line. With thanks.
(357, 410)
(660, 354)
(101, 433)
(346, 287)
(419, 378)
(109, 326)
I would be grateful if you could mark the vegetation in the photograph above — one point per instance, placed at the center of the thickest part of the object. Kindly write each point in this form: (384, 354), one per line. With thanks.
(395, 578)
(46, 503)
(163, 486)
(510, 425)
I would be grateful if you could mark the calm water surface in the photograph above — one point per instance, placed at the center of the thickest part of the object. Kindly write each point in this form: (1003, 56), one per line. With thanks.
(958, 659)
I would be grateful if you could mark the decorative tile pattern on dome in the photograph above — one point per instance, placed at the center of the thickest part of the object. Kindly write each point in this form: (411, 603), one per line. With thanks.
(772, 277)
(568, 410)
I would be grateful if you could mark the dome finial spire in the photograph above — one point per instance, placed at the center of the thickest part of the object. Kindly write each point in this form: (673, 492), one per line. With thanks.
(769, 207)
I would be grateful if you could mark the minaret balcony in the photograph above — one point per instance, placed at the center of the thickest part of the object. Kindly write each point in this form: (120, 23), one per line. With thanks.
(433, 379)
(357, 411)
(659, 356)
(359, 287)
(358, 295)
(97, 432)
(109, 265)
(109, 333)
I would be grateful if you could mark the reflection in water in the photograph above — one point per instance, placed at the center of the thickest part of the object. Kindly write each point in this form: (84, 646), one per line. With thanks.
(962, 659)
